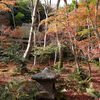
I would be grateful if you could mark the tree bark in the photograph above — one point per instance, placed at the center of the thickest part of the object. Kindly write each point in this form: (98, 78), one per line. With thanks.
(65, 2)
(58, 2)
(32, 6)
(29, 46)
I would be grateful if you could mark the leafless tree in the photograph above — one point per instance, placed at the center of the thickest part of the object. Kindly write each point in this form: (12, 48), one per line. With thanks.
(46, 25)
(29, 46)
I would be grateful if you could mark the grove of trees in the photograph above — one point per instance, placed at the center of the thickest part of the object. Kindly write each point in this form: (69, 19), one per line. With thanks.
(35, 35)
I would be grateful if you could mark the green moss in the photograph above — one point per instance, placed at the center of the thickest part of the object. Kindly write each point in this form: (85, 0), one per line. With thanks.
(18, 18)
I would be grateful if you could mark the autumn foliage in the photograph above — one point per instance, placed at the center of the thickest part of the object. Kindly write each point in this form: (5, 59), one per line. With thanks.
(4, 7)
(76, 28)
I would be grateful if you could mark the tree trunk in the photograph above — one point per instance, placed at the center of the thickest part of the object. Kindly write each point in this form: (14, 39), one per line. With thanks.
(46, 26)
(59, 44)
(89, 66)
(34, 46)
(60, 52)
(55, 59)
(58, 41)
(32, 6)
(50, 2)
(1, 40)
(12, 13)
(89, 35)
(58, 2)
(29, 46)
(65, 2)
(75, 46)
(96, 27)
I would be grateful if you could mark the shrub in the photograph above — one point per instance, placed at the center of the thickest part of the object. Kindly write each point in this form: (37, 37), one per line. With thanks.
(18, 18)
(48, 53)
(12, 53)
(18, 90)
(92, 92)
(78, 81)
(44, 54)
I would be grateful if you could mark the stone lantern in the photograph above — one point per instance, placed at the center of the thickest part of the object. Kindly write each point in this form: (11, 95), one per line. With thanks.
(46, 82)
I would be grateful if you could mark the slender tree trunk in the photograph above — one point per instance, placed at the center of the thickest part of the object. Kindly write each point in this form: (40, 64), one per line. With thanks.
(89, 66)
(72, 45)
(74, 50)
(58, 41)
(76, 55)
(12, 13)
(58, 2)
(45, 38)
(29, 46)
(34, 46)
(34, 37)
(75, 46)
(46, 25)
(65, 2)
(1, 40)
(89, 38)
(55, 59)
(76, 61)
(50, 2)
(96, 27)
(60, 52)
(32, 6)
(59, 44)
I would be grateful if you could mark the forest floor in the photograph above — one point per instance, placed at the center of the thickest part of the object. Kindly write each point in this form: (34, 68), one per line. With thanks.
(7, 75)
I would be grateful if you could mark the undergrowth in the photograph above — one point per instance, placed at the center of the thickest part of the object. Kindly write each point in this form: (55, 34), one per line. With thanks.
(14, 54)
(78, 81)
(18, 90)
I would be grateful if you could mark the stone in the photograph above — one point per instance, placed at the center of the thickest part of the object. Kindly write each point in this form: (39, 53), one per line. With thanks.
(46, 84)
